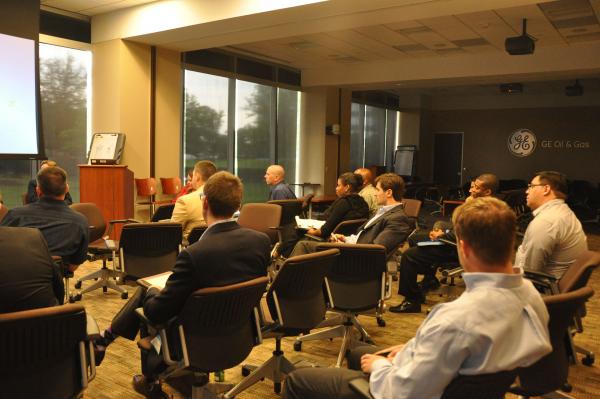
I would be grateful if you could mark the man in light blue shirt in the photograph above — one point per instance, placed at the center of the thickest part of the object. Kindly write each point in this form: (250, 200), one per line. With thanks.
(499, 323)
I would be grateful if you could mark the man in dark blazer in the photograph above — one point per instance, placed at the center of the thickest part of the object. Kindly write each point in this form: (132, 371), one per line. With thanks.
(29, 279)
(389, 227)
(225, 254)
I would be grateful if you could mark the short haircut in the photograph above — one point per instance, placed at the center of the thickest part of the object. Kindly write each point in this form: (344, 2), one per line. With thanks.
(354, 180)
(224, 192)
(490, 181)
(52, 181)
(556, 180)
(489, 226)
(391, 181)
(48, 162)
(205, 169)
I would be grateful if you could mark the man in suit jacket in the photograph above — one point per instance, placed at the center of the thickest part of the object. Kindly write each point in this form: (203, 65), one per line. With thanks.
(225, 254)
(389, 227)
(29, 279)
(188, 208)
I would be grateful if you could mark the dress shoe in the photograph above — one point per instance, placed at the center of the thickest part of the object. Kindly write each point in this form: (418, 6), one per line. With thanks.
(429, 284)
(406, 307)
(100, 345)
(150, 389)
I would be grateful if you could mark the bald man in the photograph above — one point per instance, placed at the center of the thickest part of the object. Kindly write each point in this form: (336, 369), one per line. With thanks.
(274, 177)
(368, 192)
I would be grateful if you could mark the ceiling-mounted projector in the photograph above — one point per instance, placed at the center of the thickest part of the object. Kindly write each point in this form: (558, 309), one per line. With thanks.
(575, 90)
(520, 45)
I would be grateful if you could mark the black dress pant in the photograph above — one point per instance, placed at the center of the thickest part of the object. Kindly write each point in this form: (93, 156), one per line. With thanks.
(327, 383)
(421, 260)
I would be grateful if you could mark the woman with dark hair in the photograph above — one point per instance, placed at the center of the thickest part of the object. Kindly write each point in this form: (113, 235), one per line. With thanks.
(349, 205)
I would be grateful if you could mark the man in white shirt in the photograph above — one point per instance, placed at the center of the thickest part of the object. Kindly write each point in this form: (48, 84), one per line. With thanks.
(368, 191)
(499, 323)
(554, 238)
(188, 208)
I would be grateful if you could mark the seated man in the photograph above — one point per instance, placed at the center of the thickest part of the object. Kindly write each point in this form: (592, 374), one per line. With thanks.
(389, 227)
(554, 238)
(188, 208)
(29, 279)
(225, 254)
(274, 177)
(368, 191)
(32, 195)
(499, 323)
(65, 231)
(422, 259)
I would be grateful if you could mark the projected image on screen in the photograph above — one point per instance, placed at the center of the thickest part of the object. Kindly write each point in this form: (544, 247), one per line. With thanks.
(18, 118)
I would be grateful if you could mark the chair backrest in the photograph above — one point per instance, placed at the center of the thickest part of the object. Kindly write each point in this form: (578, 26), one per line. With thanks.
(3, 211)
(550, 372)
(306, 201)
(170, 185)
(95, 219)
(220, 325)
(578, 274)
(290, 208)
(163, 212)
(357, 278)
(412, 207)
(146, 187)
(348, 227)
(482, 386)
(196, 233)
(261, 217)
(147, 249)
(41, 352)
(295, 298)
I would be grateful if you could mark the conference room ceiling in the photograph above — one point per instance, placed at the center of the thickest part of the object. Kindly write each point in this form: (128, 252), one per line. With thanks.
(92, 7)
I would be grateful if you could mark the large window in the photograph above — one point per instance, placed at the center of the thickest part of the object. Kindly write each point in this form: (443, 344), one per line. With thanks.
(64, 89)
(373, 132)
(241, 126)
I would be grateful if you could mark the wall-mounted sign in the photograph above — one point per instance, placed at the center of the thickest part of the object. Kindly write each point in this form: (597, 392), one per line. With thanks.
(522, 143)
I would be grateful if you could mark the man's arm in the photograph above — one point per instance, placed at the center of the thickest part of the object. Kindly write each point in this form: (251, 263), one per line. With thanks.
(179, 212)
(537, 245)
(395, 232)
(423, 368)
(169, 302)
(58, 286)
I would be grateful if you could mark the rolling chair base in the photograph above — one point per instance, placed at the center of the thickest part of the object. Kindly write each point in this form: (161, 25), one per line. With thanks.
(105, 281)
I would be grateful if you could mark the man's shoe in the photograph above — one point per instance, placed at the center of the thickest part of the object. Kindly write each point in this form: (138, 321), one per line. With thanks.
(429, 284)
(406, 307)
(151, 390)
(100, 345)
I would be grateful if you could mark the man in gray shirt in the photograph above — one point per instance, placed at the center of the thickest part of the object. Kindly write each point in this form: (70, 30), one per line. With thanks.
(554, 238)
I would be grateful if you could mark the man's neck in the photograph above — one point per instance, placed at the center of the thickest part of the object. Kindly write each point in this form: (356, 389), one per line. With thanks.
(392, 202)
(211, 219)
(479, 267)
(52, 197)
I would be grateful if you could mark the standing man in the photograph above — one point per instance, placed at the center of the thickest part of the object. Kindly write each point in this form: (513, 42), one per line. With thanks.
(420, 259)
(367, 191)
(388, 227)
(225, 254)
(65, 231)
(274, 177)
(499, 323)
(188, 208)
(554, 238)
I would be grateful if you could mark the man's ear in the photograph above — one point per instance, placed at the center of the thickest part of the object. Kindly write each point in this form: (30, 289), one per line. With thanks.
(464, 248)
(38, 191)
(67, 188)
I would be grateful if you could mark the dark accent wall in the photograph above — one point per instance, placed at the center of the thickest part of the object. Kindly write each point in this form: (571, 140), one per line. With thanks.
(20, 18)
(568, 140)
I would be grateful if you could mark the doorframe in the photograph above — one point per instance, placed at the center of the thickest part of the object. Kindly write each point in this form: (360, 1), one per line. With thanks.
(462, 154)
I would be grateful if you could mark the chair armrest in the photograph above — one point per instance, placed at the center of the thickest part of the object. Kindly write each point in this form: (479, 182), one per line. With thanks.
(92, 329)
(537, 275)
(115, 221)
(313, 237)
(544, 282)
(361, 387)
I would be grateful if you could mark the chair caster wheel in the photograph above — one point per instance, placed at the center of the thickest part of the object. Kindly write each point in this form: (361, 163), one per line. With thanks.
(567, 387)
(380, 322)
(104, 289)
(277, 387)
(124, 295)
(298, 346)
(74, 298)
(245, 371)
(78, 285)
(588, 359)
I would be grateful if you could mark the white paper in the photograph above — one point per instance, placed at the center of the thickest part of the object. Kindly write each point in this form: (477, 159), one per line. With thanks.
(104, 146)
(309, 223)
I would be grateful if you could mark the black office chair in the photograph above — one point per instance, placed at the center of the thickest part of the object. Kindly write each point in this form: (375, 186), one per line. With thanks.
(195, 234)
(47, 352)
(289, 210)
(163, 212)
(357, 284)
(218, 327)
(296, 304)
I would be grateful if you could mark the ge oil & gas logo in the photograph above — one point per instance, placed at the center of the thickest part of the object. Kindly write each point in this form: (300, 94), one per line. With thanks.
(522, 143)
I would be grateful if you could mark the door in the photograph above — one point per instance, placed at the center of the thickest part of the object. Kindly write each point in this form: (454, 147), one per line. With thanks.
(447, 158)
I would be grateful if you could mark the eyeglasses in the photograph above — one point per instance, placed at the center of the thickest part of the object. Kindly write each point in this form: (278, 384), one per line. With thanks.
(535, 185)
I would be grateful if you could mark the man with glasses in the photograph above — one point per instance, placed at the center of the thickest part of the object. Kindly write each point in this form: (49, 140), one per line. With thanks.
(554, 238)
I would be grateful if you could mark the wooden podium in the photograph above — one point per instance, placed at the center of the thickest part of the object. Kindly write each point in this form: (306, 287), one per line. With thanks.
(110, 187)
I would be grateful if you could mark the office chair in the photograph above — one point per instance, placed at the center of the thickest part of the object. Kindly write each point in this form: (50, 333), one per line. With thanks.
(482, 386)
(46, 352)
(195, 234)
(357, 284)
(170, 185)
(549, 374)
(163, 212)
(265, 218)
(296, 304)
(346, 227)
(218, 327)
(3, 211)
(289, 237)
(412, 208)
(147, 188)
(576, 276)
